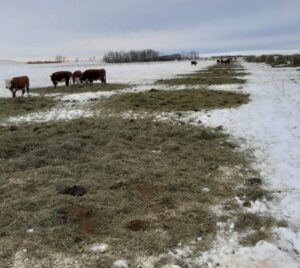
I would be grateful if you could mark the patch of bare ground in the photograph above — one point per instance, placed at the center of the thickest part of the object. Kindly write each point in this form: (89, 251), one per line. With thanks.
(147, 187)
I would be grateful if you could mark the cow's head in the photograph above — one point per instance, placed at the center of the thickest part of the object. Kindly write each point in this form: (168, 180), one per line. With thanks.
(8, 83)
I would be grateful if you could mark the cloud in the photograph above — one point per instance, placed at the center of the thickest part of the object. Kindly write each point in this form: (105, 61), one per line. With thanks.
(77, 28)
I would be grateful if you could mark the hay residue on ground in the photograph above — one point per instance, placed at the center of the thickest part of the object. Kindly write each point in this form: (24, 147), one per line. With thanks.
(176, 100)
(80, 88)
(145, 185)
(214, 75)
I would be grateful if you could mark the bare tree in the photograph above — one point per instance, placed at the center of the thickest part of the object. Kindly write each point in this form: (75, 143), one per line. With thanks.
(60, 58)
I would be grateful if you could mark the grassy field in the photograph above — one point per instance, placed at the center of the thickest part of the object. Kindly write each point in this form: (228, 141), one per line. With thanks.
(214, 75)
(80, 88)
(146, 185)
(167, 101)
(21, 106)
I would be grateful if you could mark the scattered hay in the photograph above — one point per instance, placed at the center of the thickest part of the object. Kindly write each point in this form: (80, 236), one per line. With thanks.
(74, 190)
(21, 106)
(134, 170)
(179, 100)
(80, 88)
(214, 75)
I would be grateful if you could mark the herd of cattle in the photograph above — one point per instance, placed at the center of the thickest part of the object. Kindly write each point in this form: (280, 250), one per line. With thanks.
(226, 61)
(88, 76)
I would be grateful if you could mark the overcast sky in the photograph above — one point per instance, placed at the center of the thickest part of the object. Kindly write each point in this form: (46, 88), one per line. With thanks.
(85, 28)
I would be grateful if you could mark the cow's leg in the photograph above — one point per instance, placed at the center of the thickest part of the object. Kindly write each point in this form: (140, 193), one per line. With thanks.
(91, 81)
(54, 83)
(23, 91)
(67, 82)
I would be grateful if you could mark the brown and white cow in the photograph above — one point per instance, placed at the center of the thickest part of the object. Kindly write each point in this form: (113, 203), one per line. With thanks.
(91, 75)
(62, 76)
(76, 76)
(193, 62)
(18, 83)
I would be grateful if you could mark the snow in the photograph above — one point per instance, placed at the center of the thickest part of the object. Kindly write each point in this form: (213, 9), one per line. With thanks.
(270, 126)
(120, 264)
(98, 247)
(54, 114)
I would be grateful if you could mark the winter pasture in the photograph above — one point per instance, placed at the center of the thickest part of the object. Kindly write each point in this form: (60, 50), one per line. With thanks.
(167, 165)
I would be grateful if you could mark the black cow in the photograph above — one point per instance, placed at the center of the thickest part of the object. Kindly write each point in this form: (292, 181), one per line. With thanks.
(92, 75)
(62, 76)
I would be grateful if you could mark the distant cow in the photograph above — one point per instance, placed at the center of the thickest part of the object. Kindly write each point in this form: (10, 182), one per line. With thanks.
(76, 76)
(63, 76)
(193, 62)
(18, 83)
(91, 75)
(227, 61)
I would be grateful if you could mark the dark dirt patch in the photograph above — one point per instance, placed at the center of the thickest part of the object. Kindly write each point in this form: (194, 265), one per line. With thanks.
(148, 192)
(74, 190)
(81, 216)
(254, 181)
(137, 225)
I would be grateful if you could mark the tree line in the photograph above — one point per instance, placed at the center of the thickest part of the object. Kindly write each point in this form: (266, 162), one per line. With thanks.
(145, 55)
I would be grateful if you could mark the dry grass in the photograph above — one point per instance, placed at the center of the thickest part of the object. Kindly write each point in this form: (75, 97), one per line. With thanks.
(133, 170)
(214, 75)
(21, 106)
(80, 88)
(178, 100)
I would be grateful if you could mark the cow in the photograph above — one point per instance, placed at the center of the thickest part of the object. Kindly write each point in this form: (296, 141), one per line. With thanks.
(91, 75)
(193, 62)
(227, 61)
(18, 83)
(62, 76)
(76, 76)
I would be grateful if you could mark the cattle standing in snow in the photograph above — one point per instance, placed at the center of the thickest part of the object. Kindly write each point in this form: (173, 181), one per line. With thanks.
(91, 75)
(76, 76)
(227, 61)
(193, 62)
(63, 76)
(18, 83)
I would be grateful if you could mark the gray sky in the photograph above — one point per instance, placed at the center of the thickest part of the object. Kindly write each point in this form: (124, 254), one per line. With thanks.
(84, 28)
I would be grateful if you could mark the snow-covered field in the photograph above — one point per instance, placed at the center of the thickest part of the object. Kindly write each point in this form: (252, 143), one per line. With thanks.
(269, 125)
